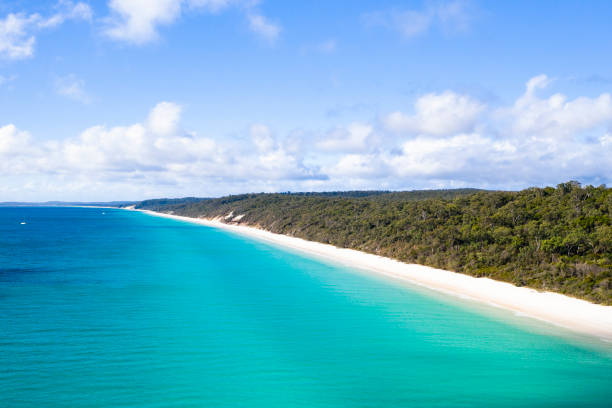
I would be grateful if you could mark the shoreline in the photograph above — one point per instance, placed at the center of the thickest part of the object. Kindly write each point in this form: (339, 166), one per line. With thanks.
(573, 314)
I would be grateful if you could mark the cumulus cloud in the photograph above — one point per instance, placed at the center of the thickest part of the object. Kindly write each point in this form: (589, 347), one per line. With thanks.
(450, 140)
(262, 137)
(156, 145)
(18, 30)
(556, 116)
(359, 166)
(474, 159)
(437, 114)
(450, 16)
(164, 118)
(12, 140)
(534, 141)
(153, 155)
(17, 154)
(138, 21)
(444, 158)
(353, 138)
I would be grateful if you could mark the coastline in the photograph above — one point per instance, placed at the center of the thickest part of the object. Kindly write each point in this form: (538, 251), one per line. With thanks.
(574, 314)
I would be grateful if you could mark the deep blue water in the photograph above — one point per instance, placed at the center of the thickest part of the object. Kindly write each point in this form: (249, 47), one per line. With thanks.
(123, 309)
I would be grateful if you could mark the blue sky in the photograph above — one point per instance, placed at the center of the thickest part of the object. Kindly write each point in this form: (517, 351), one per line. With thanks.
(129, 99)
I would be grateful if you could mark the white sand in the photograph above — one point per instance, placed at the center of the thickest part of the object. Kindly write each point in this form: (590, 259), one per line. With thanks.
(571, 313)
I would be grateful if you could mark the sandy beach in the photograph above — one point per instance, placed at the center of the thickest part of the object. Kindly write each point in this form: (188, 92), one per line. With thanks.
(574, 314)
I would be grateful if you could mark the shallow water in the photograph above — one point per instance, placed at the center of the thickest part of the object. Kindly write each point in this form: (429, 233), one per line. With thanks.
(126, 309)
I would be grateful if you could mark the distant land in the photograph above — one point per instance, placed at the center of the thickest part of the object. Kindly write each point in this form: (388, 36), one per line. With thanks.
(555, 238)
(66, 203)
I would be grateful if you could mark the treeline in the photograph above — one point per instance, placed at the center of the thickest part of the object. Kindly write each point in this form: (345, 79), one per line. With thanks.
(159, 204)
(557, 239)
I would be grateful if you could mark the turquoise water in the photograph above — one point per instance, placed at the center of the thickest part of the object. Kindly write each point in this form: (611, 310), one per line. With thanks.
(127, 310)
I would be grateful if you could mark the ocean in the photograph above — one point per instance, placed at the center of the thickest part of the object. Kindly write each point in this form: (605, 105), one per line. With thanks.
(111, 308)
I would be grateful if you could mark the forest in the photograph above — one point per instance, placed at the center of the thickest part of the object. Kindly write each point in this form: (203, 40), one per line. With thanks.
(554, 238)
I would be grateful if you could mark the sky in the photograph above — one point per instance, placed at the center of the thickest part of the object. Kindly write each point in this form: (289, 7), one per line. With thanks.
(133, 99)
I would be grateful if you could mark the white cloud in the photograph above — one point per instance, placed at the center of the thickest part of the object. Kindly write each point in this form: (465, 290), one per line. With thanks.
(72, 87)
(67, 10)
(437, 114)
(157, 145)
(358, 166)
(99, 148)
(262, 137)
(556, 116)
(537, 82)
(138, 21)
(451, 16)
(477, 160)
(441, 157)
(353, 138)
(449, 141)
(18, 30)
(17, 155)
(154, 155)
(263, 27)
(164, 118)
(16, 40)
(12, 140)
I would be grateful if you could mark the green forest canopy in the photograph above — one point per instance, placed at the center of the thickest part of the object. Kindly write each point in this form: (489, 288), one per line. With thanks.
(557, 239)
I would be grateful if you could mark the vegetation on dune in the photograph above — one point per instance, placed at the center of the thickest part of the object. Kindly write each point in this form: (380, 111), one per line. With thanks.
(557, 239)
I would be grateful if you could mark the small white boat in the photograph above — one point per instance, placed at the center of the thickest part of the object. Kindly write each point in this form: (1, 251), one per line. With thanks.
(23, 223)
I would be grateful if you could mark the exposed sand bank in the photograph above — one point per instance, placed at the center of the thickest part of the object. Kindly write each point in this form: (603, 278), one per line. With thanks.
(574, 314)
